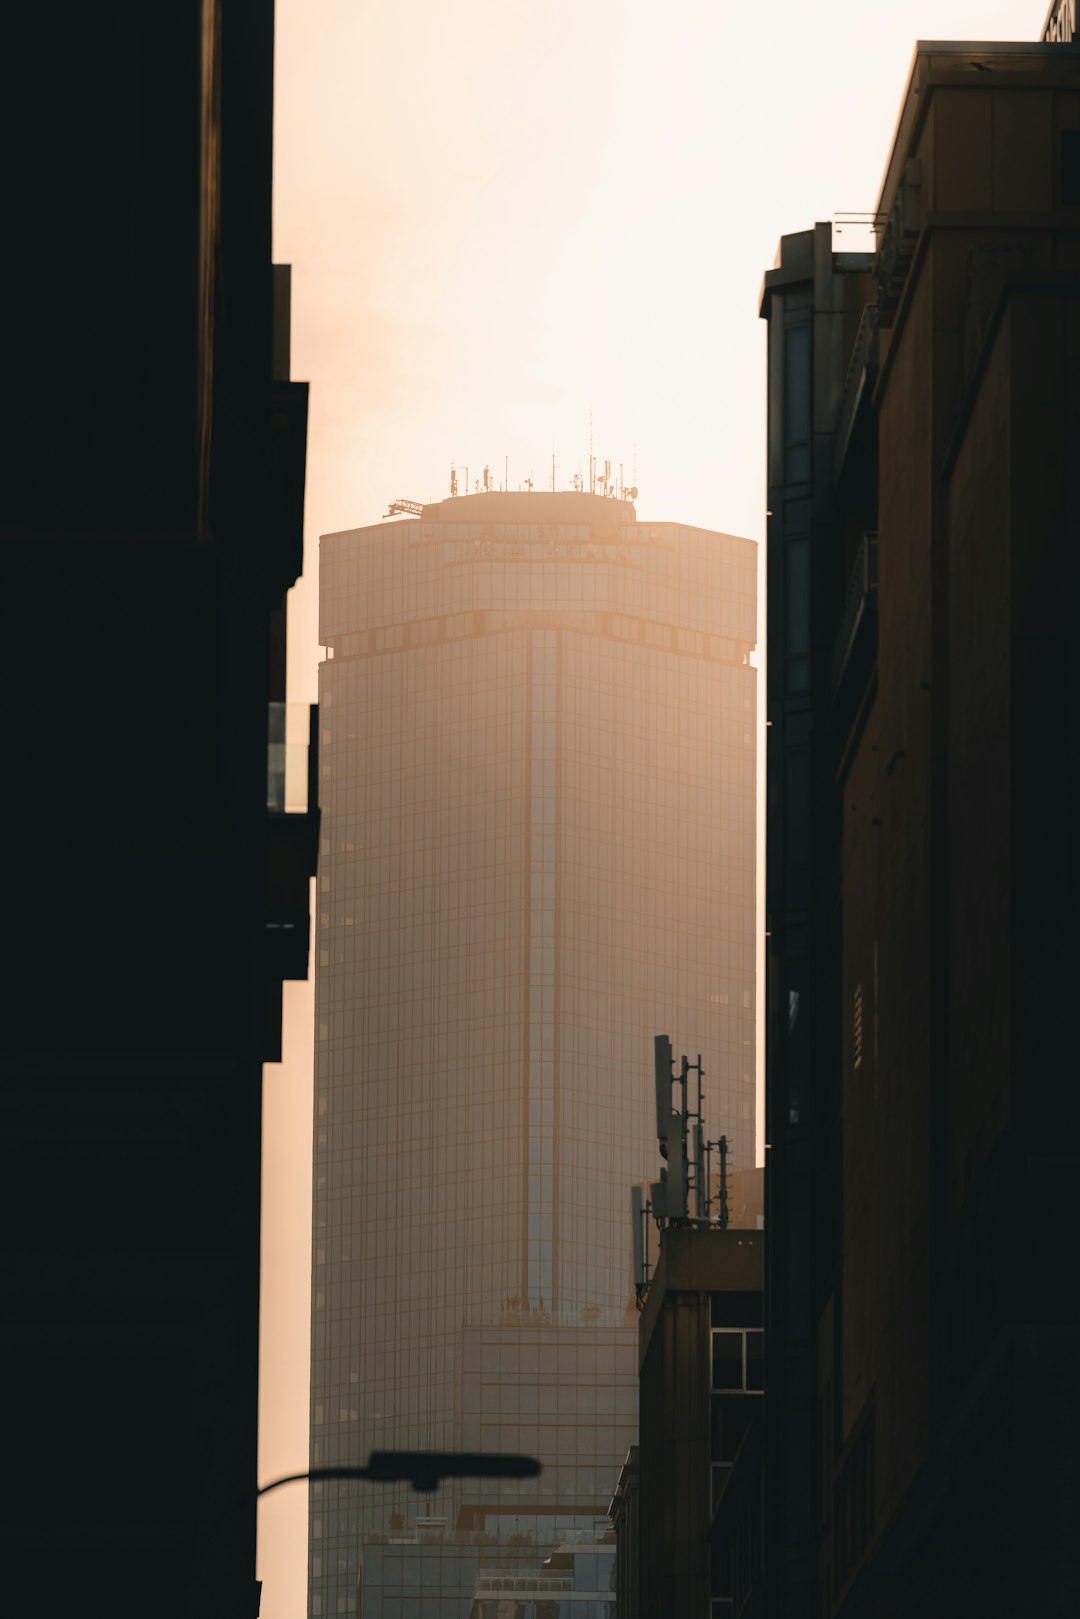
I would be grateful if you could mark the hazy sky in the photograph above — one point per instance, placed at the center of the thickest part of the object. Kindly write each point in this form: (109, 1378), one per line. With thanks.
(500, 215)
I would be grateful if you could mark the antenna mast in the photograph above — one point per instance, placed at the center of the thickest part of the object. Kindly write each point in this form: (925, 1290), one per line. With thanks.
(686, 1176)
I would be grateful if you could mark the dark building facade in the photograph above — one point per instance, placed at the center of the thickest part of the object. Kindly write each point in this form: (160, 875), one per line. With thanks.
(155, 882)
(698, 1513)
(921, 1410)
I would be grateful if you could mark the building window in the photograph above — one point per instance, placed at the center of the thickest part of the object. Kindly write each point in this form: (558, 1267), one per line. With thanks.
(730, 1421)
(797, 413)
(727, 1360)
(737, 1362)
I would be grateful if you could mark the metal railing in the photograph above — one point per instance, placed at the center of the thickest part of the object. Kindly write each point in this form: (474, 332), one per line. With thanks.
(494, 1584)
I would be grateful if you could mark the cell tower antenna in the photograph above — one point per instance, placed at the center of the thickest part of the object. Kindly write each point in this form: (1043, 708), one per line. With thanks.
(453, 479)
(639, 1229)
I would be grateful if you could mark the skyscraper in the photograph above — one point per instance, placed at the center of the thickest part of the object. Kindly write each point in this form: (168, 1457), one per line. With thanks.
(538, 849)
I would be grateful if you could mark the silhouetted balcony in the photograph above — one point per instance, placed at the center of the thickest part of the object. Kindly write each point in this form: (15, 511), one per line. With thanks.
(855, 648)
(288, 739)
(292, 847)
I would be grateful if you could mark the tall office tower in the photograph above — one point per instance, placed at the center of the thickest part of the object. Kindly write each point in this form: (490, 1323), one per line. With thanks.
(538, 793)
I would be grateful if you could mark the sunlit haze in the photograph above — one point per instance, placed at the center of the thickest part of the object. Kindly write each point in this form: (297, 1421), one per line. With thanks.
(504, 221)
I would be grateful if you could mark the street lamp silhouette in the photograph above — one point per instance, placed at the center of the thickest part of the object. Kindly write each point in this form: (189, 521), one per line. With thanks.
(425, 1470)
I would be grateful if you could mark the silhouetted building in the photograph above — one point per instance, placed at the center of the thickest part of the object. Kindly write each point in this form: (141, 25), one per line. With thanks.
(538, 845)
(699, 1449)
(921, 1395)
(152, 511)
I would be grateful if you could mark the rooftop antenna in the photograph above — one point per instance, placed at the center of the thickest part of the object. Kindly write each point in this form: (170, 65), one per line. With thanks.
(553, 472)
(487, 479)
(693, 1139)
(671, 1134)
(701, 1185)
(506, 473)
(722, 1193)
(453, 480)
(687, 1173)
(640, 1232)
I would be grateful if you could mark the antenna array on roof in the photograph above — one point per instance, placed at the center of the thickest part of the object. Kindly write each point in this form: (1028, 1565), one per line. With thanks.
(686, 1178)
(604, 483)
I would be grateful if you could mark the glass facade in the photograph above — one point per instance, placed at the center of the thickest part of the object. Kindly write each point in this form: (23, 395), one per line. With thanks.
(566, 1395)
(538, 834)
